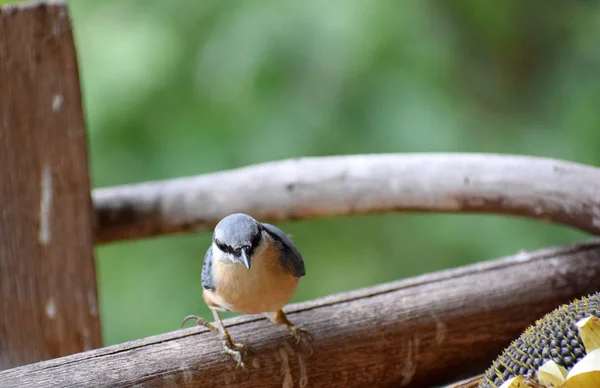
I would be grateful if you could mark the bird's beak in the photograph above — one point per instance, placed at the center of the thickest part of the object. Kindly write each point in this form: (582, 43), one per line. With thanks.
(245, 259)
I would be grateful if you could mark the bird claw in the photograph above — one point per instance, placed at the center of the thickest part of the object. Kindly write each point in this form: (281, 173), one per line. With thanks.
(301, 335)
(241, 347)
(190, 318)
(237, 352)
(304, 337)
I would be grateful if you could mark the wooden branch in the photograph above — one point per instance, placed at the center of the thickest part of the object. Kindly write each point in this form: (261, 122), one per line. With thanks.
(48, 305)
(541, 188)
(418, 332)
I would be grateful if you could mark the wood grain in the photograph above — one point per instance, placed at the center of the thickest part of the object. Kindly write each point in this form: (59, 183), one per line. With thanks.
(418, 332)
(471, 382)
(540, 188)
(48, 305)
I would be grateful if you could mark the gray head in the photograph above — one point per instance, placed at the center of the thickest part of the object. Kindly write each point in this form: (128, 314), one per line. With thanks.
(236, 237)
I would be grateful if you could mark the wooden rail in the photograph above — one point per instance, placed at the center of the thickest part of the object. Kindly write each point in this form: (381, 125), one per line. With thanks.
(418, 332)
(540, 188)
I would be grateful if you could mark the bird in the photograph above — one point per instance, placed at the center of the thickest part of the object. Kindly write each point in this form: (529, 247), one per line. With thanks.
(250, 268)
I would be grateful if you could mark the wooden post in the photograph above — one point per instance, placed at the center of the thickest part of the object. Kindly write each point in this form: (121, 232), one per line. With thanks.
(48, 302)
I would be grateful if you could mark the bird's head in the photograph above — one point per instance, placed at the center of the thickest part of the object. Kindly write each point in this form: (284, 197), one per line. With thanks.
(236, 238)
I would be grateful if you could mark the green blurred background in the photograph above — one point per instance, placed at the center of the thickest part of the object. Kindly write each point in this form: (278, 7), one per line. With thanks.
(174, 88)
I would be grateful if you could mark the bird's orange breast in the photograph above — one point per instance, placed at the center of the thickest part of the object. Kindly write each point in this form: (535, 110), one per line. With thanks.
(265, 287)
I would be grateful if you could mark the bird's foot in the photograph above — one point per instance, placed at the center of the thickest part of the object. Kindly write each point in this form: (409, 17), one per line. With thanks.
(302, 337)
(241, 347)
(200, 322)
(237, 352)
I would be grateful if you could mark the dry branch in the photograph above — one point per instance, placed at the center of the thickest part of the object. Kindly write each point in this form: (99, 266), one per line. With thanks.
(418, 332)
(546, 189)
(48, 305)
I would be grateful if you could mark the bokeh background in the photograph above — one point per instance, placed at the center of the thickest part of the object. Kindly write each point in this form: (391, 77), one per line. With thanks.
(175, 88)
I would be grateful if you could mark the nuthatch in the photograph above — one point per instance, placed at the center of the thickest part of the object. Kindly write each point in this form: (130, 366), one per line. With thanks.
(250, 268)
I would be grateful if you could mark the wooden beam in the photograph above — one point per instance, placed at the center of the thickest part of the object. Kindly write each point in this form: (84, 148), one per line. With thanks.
(48, 304)
(417, 332)
(540, 188)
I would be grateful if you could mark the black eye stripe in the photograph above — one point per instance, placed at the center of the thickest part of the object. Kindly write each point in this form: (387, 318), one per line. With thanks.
(256, 241)
(237, 251)
(223, 247)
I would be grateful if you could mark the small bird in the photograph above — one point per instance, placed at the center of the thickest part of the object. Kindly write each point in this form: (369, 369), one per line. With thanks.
(250, 268)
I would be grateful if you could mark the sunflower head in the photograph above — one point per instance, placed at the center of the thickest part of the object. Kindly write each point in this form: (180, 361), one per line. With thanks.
(561, 350)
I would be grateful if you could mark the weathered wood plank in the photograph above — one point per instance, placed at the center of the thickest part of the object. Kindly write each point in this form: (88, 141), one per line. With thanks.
(417, 332)
(471, 382)
(545, 189)
(48, 305)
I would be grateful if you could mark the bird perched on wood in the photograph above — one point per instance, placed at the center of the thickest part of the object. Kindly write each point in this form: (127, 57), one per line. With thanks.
(250, 268)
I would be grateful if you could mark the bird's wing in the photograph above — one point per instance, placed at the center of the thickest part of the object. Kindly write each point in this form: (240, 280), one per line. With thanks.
(208, 281)
(291, 257)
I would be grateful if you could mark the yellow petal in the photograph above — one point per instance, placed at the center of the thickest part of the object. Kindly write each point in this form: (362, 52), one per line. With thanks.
(551, 374)
(586, 373)
(589, 331)
(515, 382)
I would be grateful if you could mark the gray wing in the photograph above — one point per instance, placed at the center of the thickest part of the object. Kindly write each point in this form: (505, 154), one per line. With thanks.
(208, 281)
(291, 258)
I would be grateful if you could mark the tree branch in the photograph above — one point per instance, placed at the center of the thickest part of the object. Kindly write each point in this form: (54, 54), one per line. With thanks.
(545, 189)
(417, 332)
